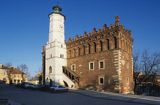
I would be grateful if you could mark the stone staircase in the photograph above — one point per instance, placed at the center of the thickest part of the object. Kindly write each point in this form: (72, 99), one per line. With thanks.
(70, 77)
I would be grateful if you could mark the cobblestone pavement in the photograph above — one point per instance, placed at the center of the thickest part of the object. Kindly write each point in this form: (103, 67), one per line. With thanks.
(18, 96)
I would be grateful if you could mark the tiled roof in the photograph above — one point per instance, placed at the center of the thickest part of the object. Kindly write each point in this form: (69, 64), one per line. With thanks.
(14, 71)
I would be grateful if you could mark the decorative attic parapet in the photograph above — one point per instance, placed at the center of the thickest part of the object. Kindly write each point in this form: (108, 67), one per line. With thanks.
(94, 31)
(105, 31)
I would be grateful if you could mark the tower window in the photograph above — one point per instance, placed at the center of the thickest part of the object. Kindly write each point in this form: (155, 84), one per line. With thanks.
(50, 55)
(61, 45)
(108, 45)
(89, 48)
(91, 65)
(101, 45)
(79, 51)
(95, 47)
(115, 42)
(50, 69)
(84, 49)
(74, 52)
(61, 56)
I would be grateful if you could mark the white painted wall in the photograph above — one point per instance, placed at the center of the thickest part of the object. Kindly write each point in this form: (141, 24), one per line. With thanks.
(54, 48)
(56, 30)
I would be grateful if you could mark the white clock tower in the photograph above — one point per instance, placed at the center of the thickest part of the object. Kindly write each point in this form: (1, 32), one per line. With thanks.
(55, 50)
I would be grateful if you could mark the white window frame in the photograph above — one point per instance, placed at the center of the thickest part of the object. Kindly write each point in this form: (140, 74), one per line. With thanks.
(74, 67)
(90, 64)
(103, 64)
(99, 80)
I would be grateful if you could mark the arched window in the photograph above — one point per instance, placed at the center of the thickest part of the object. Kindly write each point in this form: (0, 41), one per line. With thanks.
(95, 47)
(79, 51)
(50, 69)
(84, 49)
(89, 48)
(115, 42)
(108, 45)
(101, 45)
(74, 52)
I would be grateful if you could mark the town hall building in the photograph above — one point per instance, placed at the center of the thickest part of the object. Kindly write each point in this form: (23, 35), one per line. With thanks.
(100, 60)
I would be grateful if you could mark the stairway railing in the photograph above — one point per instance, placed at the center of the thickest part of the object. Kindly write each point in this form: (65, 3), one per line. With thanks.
(71, 74)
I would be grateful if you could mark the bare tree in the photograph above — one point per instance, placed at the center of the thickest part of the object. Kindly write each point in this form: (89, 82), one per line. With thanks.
(150, 65)
(136, 67)
(24, 69)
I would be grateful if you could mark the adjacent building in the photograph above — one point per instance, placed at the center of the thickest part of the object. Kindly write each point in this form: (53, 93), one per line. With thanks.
(16, 76)
(11, 75)
(100, 60)
(3, 74)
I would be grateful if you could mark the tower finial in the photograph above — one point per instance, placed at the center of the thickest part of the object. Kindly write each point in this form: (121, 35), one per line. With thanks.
(57, 8)
(117, 21)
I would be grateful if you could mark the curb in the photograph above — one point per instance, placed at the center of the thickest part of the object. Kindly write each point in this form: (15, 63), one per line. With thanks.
(116, 97)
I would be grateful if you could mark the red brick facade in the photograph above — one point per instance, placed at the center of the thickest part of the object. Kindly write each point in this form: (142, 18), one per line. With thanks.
(103, 58)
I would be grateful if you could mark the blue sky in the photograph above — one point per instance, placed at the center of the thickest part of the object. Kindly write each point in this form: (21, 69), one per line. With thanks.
(24, 24)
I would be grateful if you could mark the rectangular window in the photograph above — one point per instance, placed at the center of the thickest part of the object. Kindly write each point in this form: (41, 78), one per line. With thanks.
(73, 67)
(101, 80)
(101, 64)
(91, 65)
